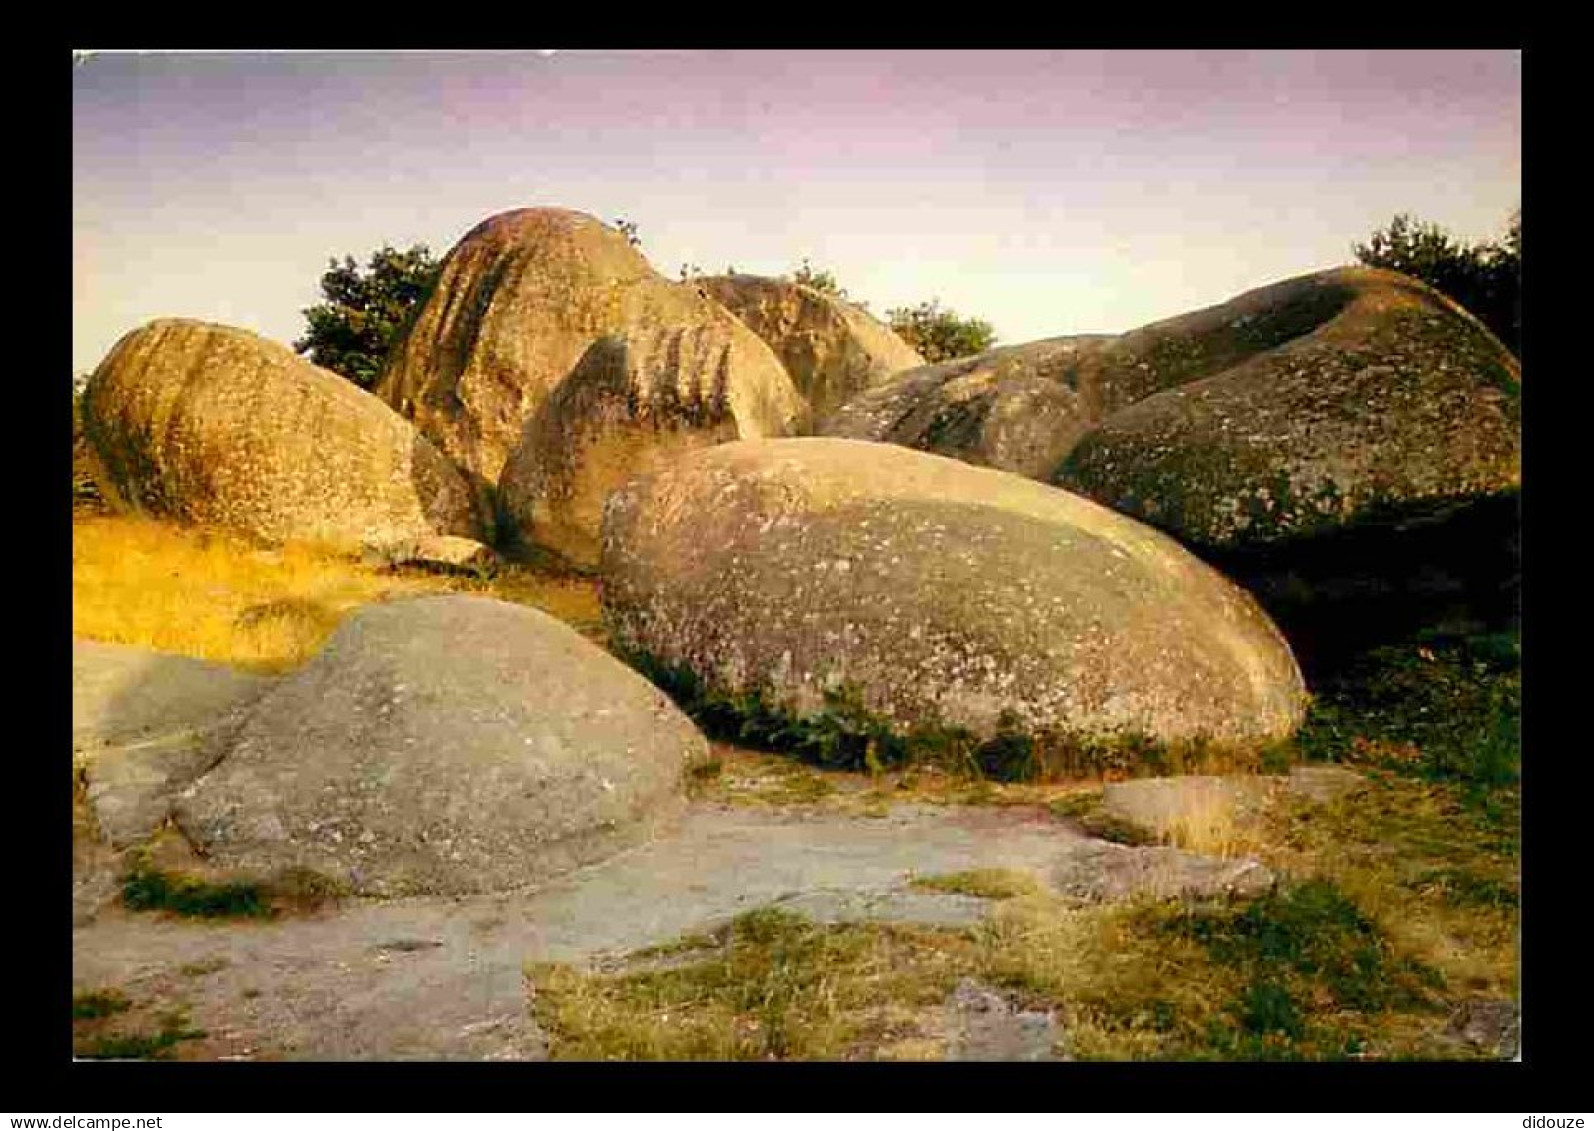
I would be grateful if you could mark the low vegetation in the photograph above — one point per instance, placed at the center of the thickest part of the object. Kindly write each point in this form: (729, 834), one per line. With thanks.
(108, 1025)
(148, 886)
(1397, 904)
(1396, 911)
(216, 596)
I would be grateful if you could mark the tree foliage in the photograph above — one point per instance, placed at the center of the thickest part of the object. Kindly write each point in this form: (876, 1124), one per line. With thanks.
(366, 310)
(940, 334)
(1485, 277)
(820, 280)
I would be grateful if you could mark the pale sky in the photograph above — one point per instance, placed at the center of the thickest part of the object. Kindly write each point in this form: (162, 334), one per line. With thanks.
(1048, 192)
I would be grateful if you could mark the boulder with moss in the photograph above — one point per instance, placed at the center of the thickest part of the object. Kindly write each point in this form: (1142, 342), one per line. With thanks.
(632, 404)
(1016, 408)
(932, 596)
(831, 347)
(220, 427)
(444, 745)
(517, 303)
(1332, 439)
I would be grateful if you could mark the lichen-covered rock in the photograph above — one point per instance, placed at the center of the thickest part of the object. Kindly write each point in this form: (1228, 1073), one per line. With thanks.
(218, 426)
(1349, 396)
(632, 404)
(1346, 445)
(1015, 408)
(444, 745)
(937, 594)
(518, 301)
(831, 348)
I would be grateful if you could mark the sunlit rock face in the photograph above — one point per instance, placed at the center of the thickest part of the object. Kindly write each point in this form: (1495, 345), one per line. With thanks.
(933, 593)
(220, 427)
(517, 303)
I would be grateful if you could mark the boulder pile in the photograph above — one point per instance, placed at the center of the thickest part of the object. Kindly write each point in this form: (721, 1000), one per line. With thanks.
(518, 302)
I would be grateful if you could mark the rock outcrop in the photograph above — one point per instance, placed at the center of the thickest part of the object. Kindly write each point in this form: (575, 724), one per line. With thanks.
(144, 725)
(1346, 444)
(1385, 400)
(935, 593)
(832, 348)
(217, 426)
(519, 300)
(632, 404)
(444, 745)
(1015, 408)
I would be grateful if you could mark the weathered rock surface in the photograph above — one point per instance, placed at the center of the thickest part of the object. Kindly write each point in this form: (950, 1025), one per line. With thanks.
(146, 724)
(1016, 408)
(632, 403)
(86, 475)
(1348, 396)
(445, 552)
(831, 348)
(985, 1026)
(1105, 871)
(444, 745)
(519, 300)
(935, 593)
(218, 426)
(443, 977)
(1346, 445)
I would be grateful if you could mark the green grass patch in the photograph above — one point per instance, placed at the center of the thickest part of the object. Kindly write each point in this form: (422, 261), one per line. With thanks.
(1439, 706)
(148, 888)
(133, 1044)
(90, 1004)
(985, 883)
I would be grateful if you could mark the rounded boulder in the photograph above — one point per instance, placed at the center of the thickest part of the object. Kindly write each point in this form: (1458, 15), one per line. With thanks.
(1016, 408)
(218, 426)
(1318, 404)
(517, 303)
(633, 403)
(934, 593)
(831, 348)
(445, 745)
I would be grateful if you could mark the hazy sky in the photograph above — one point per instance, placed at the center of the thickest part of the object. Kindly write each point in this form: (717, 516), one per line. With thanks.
(1048, 192)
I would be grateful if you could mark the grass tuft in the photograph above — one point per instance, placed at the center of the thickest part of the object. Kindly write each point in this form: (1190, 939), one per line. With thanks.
(985, 883)
(91, 1004)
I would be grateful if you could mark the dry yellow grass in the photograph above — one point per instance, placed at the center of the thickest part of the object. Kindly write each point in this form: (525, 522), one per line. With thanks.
(218, 596)
(1213, 823)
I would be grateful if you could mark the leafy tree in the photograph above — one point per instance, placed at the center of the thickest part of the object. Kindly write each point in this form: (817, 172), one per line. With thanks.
(819, 280)
(1485, 277)
(366, 311)
(940, 334)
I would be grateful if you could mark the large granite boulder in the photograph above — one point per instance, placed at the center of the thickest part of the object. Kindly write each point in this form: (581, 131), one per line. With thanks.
(518, 301)
(927, 592)
(217, 426)
(1347, 436)
(444, 745)
(632, 404)
(831, 348)
(1015, 408)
